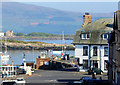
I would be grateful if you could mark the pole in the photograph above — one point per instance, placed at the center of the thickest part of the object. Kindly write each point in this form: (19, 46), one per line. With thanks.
(33, 54)
(63, 42)
(5, 46)
(1, 51)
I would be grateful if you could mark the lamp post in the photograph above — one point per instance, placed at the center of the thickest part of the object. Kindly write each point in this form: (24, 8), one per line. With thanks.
(24, 61)
(23, 57)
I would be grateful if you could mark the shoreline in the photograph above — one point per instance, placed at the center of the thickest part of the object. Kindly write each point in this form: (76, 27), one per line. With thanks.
(41, 37)
(21, 45)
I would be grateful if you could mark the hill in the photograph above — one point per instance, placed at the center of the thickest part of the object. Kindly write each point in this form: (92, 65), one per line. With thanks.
(30, 18)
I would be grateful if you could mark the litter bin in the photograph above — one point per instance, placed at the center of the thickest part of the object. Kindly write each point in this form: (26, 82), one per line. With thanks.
(73, 64)
(68, 58)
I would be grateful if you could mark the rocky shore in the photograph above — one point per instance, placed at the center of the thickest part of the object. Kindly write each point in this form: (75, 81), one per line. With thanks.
(37, 46)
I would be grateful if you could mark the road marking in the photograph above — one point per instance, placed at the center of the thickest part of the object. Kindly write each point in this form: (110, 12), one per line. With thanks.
(50, 80)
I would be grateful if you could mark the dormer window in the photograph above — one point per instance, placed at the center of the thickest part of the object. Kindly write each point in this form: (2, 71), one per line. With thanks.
(105, 36)
(85, 36)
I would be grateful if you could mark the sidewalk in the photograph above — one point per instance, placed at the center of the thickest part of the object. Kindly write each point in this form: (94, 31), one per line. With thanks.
(0, 81)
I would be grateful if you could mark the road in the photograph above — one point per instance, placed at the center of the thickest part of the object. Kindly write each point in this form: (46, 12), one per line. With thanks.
(56, 76)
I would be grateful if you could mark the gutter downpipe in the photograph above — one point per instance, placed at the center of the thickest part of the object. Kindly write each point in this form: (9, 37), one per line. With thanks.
(89, 62)
(100, 57)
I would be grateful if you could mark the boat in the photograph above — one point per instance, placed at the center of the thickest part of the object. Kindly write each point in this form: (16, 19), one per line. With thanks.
(4, 56)
(13, 81)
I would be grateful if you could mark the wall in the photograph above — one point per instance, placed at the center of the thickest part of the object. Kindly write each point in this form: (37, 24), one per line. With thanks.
(40, 62)
(79, 54)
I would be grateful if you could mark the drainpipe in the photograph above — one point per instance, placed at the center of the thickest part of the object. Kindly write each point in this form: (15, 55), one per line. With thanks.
(100, 57)
(89, 63)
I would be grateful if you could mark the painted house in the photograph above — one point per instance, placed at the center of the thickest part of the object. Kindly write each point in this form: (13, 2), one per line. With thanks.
(9, 33)
(114, 54)
(91, 44)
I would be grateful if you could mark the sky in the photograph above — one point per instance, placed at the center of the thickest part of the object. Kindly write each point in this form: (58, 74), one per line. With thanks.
(62, 0)
(92, 6)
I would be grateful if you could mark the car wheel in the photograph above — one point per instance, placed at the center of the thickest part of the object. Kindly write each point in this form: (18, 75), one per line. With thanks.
(88, 73)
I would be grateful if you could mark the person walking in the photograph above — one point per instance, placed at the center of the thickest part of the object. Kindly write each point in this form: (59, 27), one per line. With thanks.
(3, 73)
(78, 68)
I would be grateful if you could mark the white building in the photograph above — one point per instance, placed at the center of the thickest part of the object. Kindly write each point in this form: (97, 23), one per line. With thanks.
(91, 44)
(1, 34)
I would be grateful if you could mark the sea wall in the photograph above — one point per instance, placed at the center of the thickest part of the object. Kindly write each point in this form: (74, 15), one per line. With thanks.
(37, 46)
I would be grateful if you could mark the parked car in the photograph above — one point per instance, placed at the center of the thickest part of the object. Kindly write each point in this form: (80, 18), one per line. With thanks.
(83, 80)
(95, 71)
(20, 71)
(20, 80)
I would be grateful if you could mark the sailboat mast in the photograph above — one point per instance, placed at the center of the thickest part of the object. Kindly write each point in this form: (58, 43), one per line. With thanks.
(5, 46)
(63, 42)
(1, 50)
(0, 44)
(33, 53)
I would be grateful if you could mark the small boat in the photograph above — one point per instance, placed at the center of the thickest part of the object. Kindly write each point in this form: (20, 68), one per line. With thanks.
(13, 80)
(4, 56)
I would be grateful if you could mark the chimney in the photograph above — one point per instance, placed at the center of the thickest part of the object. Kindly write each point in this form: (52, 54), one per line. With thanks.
(86, 19)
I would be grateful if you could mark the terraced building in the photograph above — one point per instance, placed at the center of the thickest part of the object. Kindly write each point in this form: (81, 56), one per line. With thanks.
(91, 44)
(114, 54)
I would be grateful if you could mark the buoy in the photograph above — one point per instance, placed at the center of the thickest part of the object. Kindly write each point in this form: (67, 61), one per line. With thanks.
(30, 74)
(59, 58)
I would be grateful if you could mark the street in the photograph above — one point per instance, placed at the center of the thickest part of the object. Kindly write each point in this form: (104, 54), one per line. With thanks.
(56, 76)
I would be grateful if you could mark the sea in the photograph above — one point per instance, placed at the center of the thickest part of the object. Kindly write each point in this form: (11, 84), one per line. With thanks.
(30, 55)
(52, 41)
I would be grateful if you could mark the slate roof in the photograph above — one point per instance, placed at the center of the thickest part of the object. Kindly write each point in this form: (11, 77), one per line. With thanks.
(95, 29)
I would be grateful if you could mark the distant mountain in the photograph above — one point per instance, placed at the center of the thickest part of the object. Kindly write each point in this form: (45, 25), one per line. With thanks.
(26, 18)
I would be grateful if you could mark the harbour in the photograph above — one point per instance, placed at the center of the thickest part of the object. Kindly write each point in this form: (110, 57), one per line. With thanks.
(60, 44)
(19, 54)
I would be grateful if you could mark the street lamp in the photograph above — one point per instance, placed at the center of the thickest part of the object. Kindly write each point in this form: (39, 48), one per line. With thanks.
(23, 57)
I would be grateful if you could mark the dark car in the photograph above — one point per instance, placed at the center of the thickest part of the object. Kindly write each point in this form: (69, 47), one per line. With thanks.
(20, 71)
(83, 80)
(95, 71)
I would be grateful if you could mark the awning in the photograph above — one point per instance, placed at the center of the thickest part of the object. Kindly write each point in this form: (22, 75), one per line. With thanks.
(94, 58)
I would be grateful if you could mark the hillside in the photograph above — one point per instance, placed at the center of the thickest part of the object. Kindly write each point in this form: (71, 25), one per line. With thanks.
(29, 18)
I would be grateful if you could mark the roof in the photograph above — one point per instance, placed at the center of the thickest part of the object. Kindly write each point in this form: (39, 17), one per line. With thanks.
(95, 29)
(116, 27)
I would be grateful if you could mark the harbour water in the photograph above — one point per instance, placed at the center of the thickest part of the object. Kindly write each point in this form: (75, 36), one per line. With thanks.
(17, 55)
(52, 41)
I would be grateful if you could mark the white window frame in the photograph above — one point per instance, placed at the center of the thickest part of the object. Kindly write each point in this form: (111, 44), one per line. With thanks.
(86, 37)
(104, 51)
(84, 49)
(105, 38)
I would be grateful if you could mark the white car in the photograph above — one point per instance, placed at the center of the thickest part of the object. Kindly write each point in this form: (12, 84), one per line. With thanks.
(20, 80)
(14, 81)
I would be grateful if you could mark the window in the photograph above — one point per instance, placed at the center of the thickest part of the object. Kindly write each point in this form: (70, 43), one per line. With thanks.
(95, 64)
(85, 50)
(85, 36)
(105, 51)
(94, 51)
(105, 65)
(85, 64)
(105, 36)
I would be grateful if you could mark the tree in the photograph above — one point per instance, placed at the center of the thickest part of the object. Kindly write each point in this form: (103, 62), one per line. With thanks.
(19, 34)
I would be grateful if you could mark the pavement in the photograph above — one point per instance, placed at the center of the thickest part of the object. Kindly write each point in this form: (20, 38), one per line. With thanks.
(57, 76)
